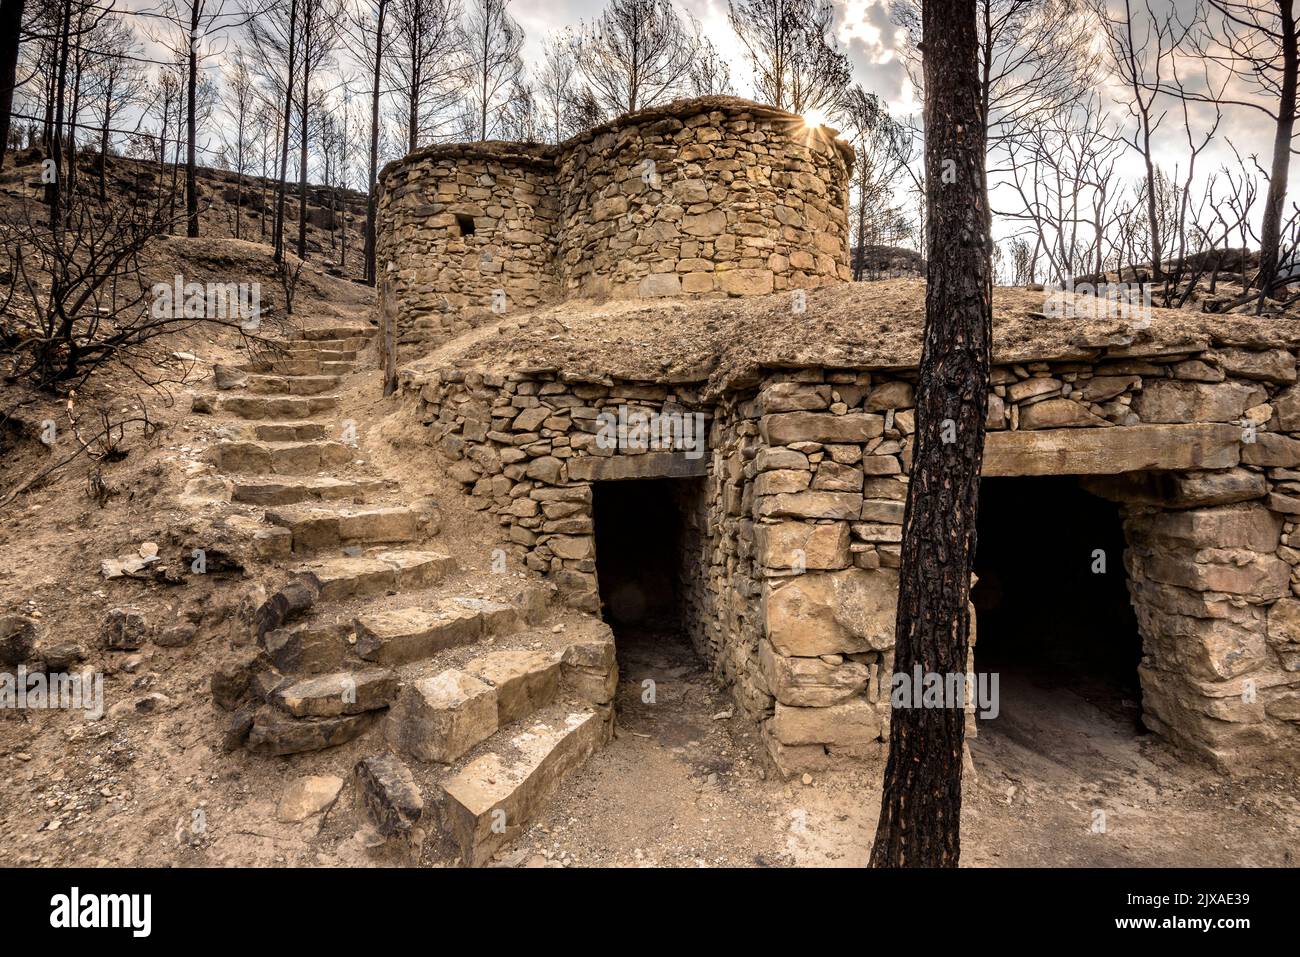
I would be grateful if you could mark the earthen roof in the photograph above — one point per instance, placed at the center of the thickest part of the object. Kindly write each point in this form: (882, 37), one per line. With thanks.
(723, 343)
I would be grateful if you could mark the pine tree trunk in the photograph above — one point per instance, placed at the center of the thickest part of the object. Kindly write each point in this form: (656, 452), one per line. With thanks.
(1270, 233)
(302, 153)
(191, 129)
(371, 185)
(277, 234)
(11, 21)
(103, 140)
(921, 804)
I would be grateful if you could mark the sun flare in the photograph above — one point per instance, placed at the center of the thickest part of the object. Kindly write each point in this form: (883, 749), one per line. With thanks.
(815, 118)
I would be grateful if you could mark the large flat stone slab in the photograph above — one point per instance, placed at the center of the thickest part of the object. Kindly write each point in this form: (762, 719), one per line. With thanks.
(1111, 451)
(394, 636)
(662, 464)
(491, 800)
(338, 693)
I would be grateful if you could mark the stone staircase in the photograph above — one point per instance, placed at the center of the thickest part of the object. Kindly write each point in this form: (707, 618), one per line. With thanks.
(363, 623)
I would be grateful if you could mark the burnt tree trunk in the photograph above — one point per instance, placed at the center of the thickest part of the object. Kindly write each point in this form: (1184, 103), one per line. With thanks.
(277, 234)
(372, 187)
(11, 25)
(302, 148)
(192, 128)
(921, 804)
(1270, 233)
(103, 140)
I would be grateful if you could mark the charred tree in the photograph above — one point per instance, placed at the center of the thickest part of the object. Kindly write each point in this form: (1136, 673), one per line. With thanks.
(11, 24)
(921, 804)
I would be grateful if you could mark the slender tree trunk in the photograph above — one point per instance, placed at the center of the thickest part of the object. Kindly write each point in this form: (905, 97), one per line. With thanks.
(191, 127)
(53, 189)
(1153, 222)
(372, 185)
(302, 151)
(413, 102)
(1270, 233)
(74, 113)
(341, 209)
(239, 177)
(278, 233)
(103, 139)
(921, 804)
(11, 22)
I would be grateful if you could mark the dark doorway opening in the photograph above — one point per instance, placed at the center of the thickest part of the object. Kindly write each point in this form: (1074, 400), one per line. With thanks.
(1053, 613)
(639, 554)
(651, 570)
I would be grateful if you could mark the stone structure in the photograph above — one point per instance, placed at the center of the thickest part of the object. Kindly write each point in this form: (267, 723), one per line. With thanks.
(789, 564)
(710, 196)
(789, 550)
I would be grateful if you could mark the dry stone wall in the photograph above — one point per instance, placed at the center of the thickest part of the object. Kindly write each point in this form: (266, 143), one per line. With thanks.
(470, 229)
(743, 201)
(713, 196)
(791, 547)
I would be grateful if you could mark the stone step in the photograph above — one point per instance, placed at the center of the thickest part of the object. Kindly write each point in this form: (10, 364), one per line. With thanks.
(336, 693)
(275, 733)
(265, 407)
(440, 717)
(282, 458)
(298, 367)
(319, 528)
(323, 351)
(493, 798)
(288, 431)
(292, 384)
(392, 571)
(308, 647)
(229, 378)
(393, 636)
(271, 490)
(524, 679)
(326, 333)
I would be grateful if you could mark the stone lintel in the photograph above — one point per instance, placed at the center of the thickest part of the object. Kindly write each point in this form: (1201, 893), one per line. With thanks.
(1112, 451)
(646, 465)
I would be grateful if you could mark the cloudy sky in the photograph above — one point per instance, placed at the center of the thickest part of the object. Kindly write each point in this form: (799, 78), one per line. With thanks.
(862, 26)
(875, 46)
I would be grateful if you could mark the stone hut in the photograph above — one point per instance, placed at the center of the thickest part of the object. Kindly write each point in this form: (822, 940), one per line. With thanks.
(713, 196)
(756, 450)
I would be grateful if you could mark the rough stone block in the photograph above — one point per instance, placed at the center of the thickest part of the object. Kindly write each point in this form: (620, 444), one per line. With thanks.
(824, 613)
(851, 724)
(810, 682)
(387, 792)
(787, 428)
(803, 544)
(441, 717)
(1176, 400)
(524, 680)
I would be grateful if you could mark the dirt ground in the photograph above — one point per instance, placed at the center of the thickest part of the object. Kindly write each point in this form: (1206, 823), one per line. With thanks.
(684, 785)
